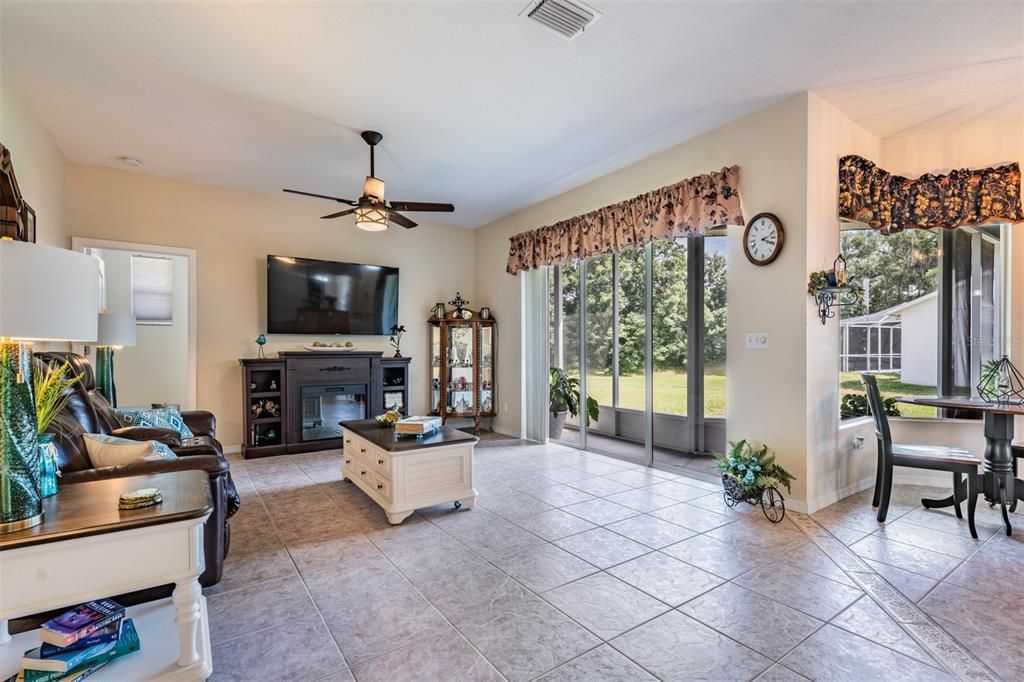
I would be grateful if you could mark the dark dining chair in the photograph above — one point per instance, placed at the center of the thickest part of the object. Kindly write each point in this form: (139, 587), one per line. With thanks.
(936, 458)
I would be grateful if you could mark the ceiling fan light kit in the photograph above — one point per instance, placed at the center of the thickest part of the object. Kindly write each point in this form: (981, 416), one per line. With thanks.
(372, 219)
(373, 214)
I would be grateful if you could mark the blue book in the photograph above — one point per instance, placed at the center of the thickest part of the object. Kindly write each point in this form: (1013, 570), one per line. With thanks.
(80, 622)
(110, 633)
(50, 669)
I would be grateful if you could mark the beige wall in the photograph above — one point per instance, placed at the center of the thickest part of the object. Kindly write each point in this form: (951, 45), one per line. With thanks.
(38, 162)
(832, 467)
(233, 231)
(766, 388)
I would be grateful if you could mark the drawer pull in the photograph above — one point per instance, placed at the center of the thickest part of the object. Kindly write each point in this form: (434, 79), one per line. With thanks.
(380, 486)
(348, 441)
(380, 461)
(348, 461)
(334, 368)
(362, 450)
(363, 472)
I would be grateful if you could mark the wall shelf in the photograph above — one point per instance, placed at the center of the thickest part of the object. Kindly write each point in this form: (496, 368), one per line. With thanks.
(829, 299)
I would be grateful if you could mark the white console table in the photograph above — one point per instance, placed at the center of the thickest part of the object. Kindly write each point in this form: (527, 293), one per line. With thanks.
(409, 474)
(86, 548)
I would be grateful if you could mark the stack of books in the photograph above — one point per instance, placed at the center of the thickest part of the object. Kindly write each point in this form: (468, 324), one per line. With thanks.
(79, 642)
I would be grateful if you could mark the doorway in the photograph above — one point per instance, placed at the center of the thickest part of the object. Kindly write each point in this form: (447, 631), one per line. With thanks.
(644, 332)
(156, 284)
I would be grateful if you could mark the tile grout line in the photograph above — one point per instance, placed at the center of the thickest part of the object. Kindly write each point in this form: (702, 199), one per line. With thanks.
(918, 625)
(298, 573)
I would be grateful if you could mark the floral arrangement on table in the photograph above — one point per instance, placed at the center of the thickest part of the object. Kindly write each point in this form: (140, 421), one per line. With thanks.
(751, 474)
(389, 418)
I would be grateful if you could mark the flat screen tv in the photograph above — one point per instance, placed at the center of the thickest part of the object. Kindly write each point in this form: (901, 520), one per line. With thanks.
(306, 296)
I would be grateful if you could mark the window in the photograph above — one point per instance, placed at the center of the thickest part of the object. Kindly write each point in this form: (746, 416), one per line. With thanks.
(946, 308)
(152, 289)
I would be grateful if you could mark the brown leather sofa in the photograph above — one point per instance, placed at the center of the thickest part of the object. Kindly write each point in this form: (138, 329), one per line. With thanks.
(88, 411)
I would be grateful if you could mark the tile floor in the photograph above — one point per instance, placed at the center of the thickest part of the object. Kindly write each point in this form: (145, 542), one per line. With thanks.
(576, 566)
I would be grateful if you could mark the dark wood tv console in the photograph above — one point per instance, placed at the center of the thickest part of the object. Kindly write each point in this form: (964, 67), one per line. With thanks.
(293, 403)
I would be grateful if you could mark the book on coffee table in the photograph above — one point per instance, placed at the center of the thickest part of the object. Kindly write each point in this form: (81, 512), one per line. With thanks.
(418, 425)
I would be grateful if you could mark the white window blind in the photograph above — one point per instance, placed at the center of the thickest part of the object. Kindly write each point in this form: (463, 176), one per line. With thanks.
(152, 289)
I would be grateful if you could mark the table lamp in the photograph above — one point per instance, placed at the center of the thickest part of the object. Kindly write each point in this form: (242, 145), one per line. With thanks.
(115, 330)
(46, 294)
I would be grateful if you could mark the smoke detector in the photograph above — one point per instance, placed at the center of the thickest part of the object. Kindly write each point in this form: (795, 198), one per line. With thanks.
(565, 17)
(130, 161)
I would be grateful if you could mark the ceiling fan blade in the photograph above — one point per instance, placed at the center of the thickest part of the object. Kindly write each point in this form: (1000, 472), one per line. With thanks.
(401, 220)
(421, 206)
(338, 214)
(322, 196)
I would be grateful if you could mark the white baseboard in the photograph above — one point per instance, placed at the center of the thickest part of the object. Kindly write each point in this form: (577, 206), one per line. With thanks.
(902, 477)
(232, 449)
(834, 496)
(507, 432)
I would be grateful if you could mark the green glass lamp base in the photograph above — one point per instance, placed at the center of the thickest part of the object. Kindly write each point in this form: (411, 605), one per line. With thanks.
(21, 505)
(105, 374)
(15, 526)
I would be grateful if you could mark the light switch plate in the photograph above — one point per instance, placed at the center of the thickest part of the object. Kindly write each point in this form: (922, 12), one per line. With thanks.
(757, 340)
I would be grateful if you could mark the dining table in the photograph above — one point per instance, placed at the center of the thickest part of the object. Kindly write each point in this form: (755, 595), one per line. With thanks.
(997, 481)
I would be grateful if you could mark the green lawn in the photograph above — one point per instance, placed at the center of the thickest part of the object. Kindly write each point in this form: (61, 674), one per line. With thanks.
(889, 385)
(669, 391)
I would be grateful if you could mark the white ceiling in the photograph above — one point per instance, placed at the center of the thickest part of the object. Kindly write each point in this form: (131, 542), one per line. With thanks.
(478, 105)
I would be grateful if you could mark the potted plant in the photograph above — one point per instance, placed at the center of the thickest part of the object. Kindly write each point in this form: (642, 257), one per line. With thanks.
(565, 398)
(751, 474)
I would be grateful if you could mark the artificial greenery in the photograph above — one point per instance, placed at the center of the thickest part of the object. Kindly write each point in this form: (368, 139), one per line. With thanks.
(817, 281)
(52, 388)
(565, 396)
(856, 405)
(752, 467)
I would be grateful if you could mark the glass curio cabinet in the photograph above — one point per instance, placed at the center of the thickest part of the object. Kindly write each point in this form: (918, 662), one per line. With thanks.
(462, 352)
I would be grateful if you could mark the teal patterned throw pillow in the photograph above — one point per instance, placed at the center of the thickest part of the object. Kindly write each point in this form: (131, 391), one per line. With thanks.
(161, 418)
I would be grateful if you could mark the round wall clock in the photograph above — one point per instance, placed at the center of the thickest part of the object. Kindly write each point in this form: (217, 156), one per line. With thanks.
(762, 240)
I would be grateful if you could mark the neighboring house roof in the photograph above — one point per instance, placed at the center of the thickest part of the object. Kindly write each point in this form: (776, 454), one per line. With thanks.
(889, 316)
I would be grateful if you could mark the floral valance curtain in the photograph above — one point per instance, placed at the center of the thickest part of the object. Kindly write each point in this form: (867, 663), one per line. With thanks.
(685, 209)
(887, 202)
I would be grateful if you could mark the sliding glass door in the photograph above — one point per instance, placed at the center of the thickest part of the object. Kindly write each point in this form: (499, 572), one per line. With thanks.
(644, 332)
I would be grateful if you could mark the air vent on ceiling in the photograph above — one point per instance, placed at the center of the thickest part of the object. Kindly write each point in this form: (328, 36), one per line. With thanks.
(564, 17)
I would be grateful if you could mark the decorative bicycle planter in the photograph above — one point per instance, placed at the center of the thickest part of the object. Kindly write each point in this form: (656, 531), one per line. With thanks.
(750, 474)
(773, 505)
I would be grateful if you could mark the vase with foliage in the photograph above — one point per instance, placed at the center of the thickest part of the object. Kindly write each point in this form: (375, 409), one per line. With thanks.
(52, 388)
(751, 474)
(564, 398)
(396, 338)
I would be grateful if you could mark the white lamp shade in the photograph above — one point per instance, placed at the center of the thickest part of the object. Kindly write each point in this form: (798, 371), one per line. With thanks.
(47, 293)
(116, 329)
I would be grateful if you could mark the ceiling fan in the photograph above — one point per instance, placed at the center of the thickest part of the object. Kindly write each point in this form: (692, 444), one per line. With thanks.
(372, 212)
